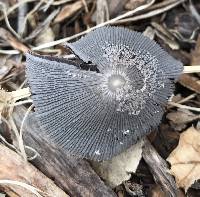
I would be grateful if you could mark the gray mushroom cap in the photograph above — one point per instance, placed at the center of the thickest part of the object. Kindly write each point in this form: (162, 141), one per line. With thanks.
(98, 115)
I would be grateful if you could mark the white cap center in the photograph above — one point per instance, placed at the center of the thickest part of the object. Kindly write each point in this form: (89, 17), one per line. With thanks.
(116, 82)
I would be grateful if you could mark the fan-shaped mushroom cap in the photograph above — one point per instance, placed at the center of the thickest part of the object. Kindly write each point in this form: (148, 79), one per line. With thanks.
(98, 115)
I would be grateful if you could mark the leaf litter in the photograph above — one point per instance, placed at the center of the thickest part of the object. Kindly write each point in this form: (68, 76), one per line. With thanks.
(174, 25)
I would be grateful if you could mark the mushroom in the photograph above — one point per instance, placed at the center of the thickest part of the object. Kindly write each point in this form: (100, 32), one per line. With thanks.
(99, 114)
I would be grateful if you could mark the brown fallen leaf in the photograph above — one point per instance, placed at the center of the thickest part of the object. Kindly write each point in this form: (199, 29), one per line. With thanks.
(190, 82)
(182, 116)
(68, 10)
(16, 44)
(185, 159)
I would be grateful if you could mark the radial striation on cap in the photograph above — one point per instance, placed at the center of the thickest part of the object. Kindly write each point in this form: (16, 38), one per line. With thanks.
(97, 115)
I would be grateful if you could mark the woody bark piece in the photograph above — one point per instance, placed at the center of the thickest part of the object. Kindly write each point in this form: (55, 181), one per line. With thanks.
(75, 176)
(14, 169)
(159, 169)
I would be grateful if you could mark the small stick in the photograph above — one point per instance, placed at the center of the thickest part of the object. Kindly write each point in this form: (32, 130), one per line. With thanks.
(111, 21)
(159, 169)
(184, 106)
(183, 100)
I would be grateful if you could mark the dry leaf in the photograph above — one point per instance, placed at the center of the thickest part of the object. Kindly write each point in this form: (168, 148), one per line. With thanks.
(171, 43)
(68, 10)
(120, 167)
(190, 82)
(182, 116)
(185, 159)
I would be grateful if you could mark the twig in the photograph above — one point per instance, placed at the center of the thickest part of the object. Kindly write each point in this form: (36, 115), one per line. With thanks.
(187, 98)
(56, 3)
(50, 44)
(9, 52)
(184, 106)
(151, 13)
(85, 6)
(31, 12)
(48, 4)
(15, 6)
(183, 100)
(7, 21)
(23, 83)
(159, 168)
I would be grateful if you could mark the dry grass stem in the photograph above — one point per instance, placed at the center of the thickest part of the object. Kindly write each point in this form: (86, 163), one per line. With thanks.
(191, 69)
(20, 139)
(184, 106)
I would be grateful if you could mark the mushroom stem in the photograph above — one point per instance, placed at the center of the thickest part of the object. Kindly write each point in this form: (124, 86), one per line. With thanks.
(191, 69)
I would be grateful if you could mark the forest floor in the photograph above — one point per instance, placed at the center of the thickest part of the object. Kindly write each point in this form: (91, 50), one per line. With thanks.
(43, 26)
